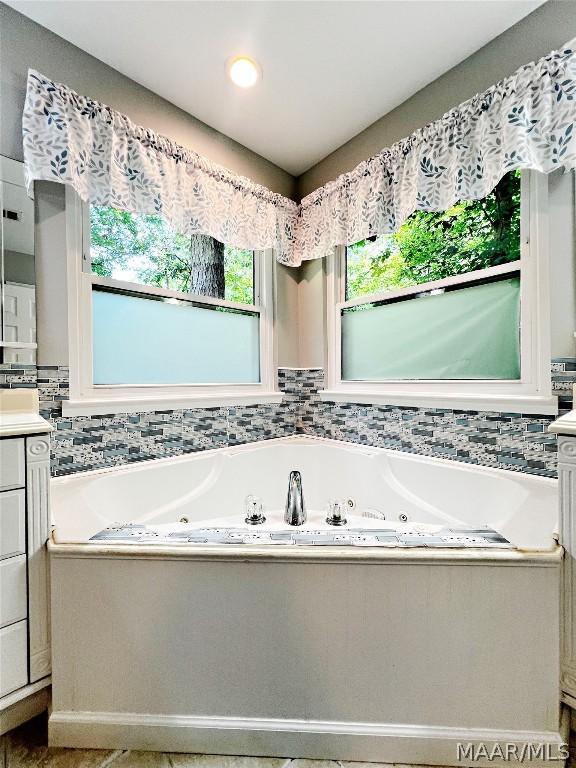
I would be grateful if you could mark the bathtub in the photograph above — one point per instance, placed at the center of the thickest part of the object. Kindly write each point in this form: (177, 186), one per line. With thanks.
(356, 653)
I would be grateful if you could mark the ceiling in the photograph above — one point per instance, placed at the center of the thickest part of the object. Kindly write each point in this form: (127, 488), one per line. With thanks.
(330, 68)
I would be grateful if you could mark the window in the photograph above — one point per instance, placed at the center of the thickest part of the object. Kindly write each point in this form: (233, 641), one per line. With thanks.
(429, 247)
(144, 249)
(164, 320)
(452, 308)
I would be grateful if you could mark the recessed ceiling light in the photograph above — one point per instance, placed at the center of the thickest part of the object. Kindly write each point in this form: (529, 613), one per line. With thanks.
(243, 71)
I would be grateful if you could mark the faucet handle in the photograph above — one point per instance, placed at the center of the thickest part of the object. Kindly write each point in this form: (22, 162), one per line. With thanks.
(336, 512)
(254, 515)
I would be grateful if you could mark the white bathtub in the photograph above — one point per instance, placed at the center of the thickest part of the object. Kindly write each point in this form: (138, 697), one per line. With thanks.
(323, 652)
(381, 483)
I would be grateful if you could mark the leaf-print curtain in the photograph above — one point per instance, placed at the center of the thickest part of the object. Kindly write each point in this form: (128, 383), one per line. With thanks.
(111, 161)
(524, 121)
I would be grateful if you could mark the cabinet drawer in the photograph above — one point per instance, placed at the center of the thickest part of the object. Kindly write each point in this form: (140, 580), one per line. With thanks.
(13, 657)
(13, 601)
(12, 524)
(12, 467)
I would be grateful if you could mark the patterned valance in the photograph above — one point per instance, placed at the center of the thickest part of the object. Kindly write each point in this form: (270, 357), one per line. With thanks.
(524, 121)
(111, 161)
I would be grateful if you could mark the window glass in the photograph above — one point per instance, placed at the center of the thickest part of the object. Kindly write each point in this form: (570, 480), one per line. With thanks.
(144, 340)
(144, 249)
(466, 333)
(467, 329)
(471, 235)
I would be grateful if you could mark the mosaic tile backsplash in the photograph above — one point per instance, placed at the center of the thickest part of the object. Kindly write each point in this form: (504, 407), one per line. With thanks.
(504, 440)
(18, 375)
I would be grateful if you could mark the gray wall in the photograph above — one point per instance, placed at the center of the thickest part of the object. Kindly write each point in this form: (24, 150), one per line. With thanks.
(287, 318)
(24, 44)
(51, 274)
(562, 214)
(312, 314)
(549, 27)
(300, 315)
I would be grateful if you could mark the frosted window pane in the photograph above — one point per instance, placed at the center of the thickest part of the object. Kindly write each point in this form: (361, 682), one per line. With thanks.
(470, 333)
(145, 341)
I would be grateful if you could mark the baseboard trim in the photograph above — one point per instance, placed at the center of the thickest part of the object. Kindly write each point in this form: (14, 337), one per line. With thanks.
(372, 742)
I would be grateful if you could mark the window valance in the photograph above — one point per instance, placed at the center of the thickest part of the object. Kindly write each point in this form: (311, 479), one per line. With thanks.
(111, 161)
(524, 121)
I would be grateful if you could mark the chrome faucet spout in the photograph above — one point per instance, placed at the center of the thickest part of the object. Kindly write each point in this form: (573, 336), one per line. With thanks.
(295, 512)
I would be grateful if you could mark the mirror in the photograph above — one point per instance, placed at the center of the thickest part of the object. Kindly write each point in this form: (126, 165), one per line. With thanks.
(17, 268)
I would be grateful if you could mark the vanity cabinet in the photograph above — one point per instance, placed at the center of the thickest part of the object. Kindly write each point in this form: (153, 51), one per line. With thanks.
(565, 428)
(24, 596)
(24, 470)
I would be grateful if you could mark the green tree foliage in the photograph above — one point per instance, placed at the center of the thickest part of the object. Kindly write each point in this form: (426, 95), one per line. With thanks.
(468, 236)
(239, 274)
(144, 249)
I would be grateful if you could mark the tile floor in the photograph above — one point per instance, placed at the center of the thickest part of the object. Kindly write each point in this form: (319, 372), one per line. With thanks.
(25, 747)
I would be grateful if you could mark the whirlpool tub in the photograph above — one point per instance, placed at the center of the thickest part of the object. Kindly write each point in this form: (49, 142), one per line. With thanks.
(355, 650)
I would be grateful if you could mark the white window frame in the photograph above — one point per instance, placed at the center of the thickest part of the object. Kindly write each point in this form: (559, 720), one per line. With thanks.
(532, 393)
(87, 398)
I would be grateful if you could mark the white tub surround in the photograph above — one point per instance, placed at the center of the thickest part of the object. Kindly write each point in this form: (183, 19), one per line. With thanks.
(386, 655)
(396, 659)
(565, 428)
(24, 620)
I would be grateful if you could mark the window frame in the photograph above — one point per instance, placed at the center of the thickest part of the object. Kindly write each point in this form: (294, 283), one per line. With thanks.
(87, 398)
(532, 393)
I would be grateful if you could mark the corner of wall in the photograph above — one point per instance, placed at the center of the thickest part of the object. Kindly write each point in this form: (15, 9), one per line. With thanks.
(51, 274)
(562, 224)
(311, 315)
(287, 316)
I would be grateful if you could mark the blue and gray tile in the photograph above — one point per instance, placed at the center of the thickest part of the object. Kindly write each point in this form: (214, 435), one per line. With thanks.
(517, 442)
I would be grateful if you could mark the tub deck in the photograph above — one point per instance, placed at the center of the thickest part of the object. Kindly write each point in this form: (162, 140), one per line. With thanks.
(551, 557)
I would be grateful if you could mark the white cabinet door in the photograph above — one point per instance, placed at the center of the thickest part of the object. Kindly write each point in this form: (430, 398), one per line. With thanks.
(13, 658)
(20, 320)
(12, 467)
(12, 524)
(13, 602)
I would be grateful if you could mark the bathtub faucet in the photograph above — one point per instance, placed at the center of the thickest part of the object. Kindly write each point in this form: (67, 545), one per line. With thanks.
(295, 512)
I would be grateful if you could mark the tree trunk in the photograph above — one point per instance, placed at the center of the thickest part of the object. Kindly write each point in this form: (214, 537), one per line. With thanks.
(206, 266)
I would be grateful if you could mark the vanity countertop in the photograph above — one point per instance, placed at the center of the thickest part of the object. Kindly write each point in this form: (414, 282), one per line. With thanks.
(565, 425)
(19, 413)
